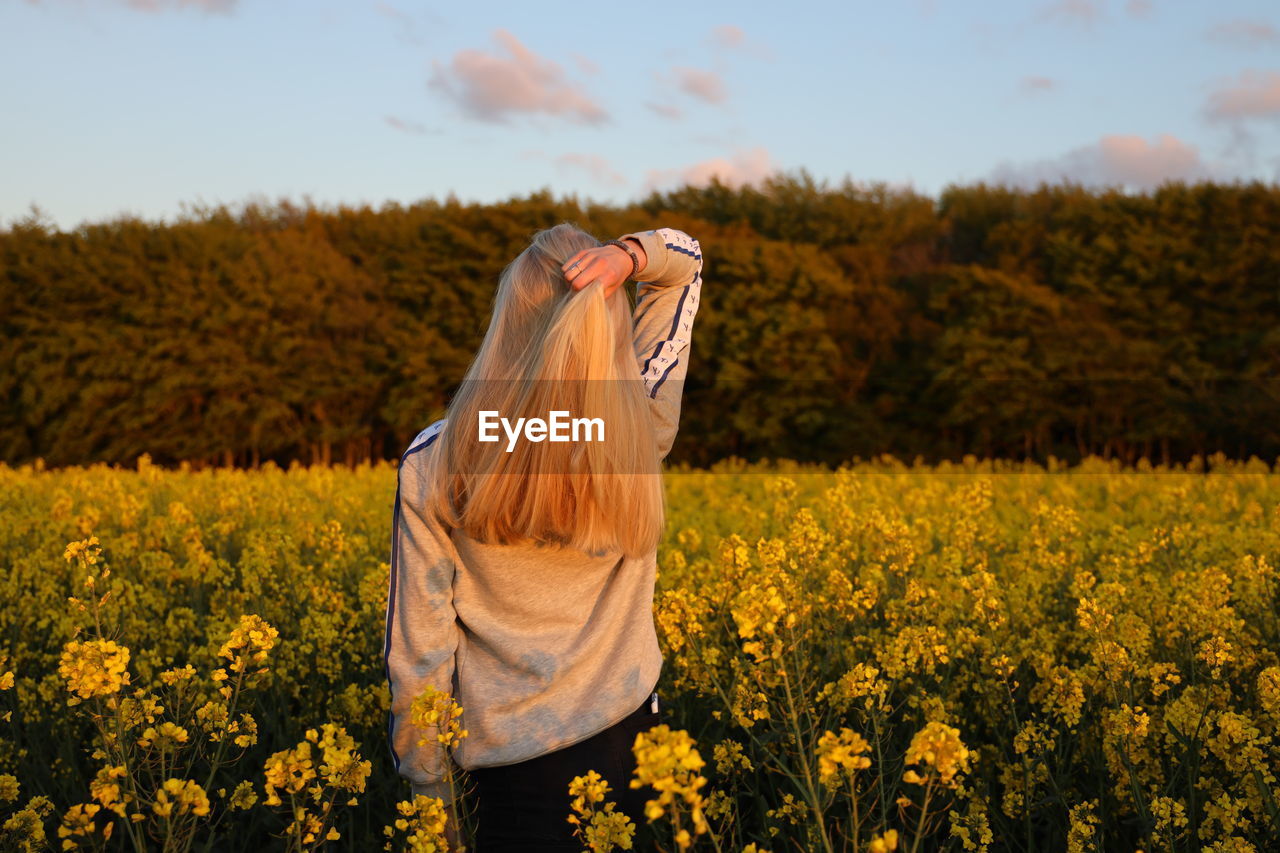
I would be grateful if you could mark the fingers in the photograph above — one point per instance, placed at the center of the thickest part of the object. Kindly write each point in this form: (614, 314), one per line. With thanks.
(591, 265)
(572, 267)
(585, 271)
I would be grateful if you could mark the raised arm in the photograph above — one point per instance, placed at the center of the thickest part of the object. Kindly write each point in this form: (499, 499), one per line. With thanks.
(668, 288)
(668, 291)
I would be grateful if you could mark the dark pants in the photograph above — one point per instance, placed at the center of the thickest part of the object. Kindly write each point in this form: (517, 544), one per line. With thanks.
(525, 806)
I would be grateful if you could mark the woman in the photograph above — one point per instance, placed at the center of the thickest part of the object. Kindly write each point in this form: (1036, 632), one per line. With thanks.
(523, 566)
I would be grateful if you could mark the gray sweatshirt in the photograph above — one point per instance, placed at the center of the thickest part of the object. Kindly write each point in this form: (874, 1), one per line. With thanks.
(541, 647)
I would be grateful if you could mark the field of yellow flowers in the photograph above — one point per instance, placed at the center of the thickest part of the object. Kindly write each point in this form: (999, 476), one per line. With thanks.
(978, 656)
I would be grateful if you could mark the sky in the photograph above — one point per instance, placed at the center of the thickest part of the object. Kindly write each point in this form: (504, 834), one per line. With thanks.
(157, 108)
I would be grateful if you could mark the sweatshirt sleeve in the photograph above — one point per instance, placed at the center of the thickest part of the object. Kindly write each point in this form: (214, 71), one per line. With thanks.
(668, 290)
(421, 630)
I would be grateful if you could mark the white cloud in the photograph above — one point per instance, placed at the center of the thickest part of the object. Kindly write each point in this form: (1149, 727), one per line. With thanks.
(706, 85)
(742, 168)
(493, 88)
(665, 110)
(1075, 12)
(1128, 161)
(728, 36)
(408, 126)
(1033, 84)
(1255, 95)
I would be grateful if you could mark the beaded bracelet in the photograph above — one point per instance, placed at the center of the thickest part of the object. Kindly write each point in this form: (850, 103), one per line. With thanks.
(635, 259)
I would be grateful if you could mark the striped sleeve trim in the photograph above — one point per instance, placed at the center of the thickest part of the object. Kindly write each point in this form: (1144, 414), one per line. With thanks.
(422, 440)
(680, 242)
(666, 355)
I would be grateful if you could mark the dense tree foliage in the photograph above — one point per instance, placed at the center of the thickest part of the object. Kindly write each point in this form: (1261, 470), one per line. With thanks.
(836, 322)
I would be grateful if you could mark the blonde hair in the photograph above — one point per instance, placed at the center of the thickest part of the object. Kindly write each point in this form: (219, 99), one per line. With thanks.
(551, 348)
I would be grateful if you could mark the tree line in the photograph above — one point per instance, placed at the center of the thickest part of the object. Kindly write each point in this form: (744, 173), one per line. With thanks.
(837, 321)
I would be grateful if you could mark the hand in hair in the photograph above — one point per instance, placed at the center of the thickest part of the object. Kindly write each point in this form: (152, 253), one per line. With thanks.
(607, 264)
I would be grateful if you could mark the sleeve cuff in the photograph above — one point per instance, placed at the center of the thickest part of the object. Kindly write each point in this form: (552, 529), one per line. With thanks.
(656, 255)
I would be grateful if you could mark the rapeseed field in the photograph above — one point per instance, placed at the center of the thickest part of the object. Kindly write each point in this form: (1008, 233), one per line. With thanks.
(976, 656)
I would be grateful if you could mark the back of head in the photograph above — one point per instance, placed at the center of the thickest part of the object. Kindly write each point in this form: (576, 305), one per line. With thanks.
(551, 349)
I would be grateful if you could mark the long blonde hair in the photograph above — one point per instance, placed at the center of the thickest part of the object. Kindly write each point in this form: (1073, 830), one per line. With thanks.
(550, 348)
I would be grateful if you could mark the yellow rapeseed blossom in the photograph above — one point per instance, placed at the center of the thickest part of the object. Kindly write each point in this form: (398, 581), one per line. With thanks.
(886, 843)
(1269, 690)
(340, 764)
(86, 551)
(242, 798)
(668, 761)
(862, 681)
(938, 748)
(757, 611)
(249, 643)
(178, 797)
(78, 826)
(107, 790)
(1083, 827)
(436, 711)
(1097, 626)
(840, 756)
(178, 675)
(598, 825)
(423, 821)
(165, 737)
(93, 668)
(289, 770)
(729, 756)
(1215, 653)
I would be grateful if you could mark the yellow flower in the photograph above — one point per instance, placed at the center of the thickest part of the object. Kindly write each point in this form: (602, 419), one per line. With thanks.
(423, 820)
(938, 747)
(1084, 820)
(86, 551)
(243, 797)
(106, 789)
(79, 822)
(1269, 690)
(840, 756)
(93, 668)
(1215, 652)
(668, 761)
(728, 756)
(436, 710)
(249, 643)
(884, 843)
(599, 829)
(340, 765)
(164, 737)
(288, 770)
(178, 797)
(176, 675)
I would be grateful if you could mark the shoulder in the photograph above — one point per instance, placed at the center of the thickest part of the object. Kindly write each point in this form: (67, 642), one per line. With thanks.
(424, 439)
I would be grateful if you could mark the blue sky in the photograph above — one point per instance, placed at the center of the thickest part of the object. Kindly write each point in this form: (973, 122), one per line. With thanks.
(147, 106)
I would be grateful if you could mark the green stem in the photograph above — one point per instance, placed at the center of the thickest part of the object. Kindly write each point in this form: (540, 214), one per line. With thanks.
(804, 764)
(217, 759)
(924, 812)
